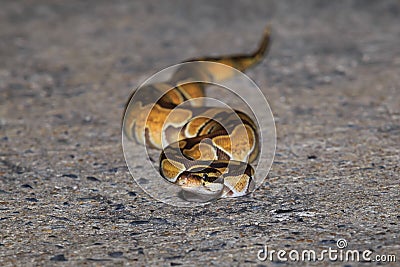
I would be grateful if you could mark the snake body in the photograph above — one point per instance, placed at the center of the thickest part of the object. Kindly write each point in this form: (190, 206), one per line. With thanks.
(209, 149)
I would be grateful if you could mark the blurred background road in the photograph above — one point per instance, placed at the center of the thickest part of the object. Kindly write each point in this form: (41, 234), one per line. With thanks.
(67, 68)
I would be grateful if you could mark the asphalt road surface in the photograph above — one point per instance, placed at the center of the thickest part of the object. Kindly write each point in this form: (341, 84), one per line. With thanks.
(332, 80)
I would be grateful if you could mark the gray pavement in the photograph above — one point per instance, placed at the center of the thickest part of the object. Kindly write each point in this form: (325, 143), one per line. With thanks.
(67, 68)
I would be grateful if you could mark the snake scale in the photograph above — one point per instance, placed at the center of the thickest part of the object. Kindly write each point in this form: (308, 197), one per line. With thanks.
(209, 149)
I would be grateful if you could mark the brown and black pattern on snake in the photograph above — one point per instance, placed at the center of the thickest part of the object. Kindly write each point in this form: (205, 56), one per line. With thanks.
(209, 149)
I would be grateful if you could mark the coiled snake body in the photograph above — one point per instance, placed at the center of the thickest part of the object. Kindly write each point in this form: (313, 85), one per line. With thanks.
(209, 149)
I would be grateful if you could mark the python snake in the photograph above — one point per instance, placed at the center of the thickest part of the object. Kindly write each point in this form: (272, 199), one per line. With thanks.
(209, 149)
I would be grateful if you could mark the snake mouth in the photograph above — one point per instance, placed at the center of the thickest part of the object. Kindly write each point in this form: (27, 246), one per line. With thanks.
(196, 184)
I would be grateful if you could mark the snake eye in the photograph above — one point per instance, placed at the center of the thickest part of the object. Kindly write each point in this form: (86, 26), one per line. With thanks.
(205, 176)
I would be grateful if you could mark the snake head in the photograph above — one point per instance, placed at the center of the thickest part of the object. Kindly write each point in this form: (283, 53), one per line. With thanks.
(204, 182)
